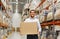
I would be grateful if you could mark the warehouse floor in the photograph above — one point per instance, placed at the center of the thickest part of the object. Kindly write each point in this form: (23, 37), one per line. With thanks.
(16, 35)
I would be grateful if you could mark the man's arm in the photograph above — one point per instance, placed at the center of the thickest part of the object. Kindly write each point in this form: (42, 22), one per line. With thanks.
(39, 26)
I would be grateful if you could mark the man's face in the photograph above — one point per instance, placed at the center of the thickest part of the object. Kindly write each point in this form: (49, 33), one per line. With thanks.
(32, 14)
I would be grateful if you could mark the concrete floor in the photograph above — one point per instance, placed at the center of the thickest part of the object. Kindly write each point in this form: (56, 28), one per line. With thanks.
(16, 35)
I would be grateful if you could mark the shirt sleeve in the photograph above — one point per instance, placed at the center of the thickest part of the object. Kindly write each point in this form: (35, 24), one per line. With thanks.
(39, 26)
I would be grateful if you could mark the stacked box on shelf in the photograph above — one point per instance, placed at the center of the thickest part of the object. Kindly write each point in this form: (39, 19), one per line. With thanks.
(1, 19)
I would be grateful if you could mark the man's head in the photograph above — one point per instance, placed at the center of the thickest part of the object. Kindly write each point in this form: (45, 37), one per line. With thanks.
(32, 13)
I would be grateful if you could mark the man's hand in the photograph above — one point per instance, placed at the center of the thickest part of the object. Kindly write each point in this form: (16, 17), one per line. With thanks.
(38, 33)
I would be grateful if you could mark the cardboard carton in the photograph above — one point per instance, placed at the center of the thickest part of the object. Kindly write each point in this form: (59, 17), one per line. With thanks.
(28, 28)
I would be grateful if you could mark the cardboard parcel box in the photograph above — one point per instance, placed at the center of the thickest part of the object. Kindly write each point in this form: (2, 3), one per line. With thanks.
(28, 28)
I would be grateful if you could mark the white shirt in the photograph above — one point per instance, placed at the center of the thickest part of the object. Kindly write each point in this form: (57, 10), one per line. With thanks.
(34, 20)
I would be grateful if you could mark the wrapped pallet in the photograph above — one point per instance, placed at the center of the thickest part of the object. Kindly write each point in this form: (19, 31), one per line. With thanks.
(49, 16)
(5, 21)
(57, 14)
(57, 27)
(41, 19)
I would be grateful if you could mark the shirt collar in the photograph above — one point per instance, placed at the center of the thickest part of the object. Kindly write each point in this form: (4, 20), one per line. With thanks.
(32, 18)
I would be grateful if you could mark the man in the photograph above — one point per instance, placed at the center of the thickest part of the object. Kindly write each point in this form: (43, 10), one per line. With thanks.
(33, 19)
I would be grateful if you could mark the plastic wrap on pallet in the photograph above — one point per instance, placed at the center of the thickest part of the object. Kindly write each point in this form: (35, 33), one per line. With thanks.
(57, 14)
(50, 16)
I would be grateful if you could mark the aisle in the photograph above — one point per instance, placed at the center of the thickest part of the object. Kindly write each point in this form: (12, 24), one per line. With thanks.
(16, 19)
(16, 35)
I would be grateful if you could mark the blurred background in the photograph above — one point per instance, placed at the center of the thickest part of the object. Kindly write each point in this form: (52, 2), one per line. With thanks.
(12, 12)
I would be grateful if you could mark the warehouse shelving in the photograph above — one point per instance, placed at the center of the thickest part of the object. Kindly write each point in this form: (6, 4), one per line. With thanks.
(41, 6)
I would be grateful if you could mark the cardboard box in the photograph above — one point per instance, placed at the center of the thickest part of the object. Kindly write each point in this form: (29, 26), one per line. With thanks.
(28, 28)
